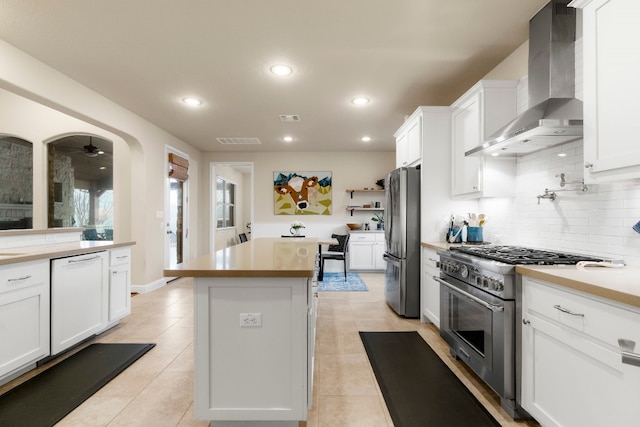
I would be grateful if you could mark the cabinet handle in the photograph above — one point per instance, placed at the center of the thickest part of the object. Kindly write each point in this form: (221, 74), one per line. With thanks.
(564, 310)
(588, 165)
(84, 259)
(122, 257)
(526, 322)
(626, 350)
(19, 279)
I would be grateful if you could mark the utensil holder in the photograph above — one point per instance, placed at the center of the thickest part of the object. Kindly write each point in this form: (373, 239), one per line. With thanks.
(474, 234)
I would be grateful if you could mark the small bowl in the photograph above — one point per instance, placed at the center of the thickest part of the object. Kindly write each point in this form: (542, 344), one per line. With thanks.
(354, 226)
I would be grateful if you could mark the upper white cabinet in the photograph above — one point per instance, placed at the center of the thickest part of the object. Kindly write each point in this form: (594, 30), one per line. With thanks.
(476, 115)
(611, 125)
(573, 370)
(409, 140)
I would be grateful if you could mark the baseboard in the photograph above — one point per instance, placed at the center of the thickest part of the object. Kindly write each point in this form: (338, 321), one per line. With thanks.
(149, 287)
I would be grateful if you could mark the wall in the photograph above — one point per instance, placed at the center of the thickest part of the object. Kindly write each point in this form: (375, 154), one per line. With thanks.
(349, 170)
(40, 104)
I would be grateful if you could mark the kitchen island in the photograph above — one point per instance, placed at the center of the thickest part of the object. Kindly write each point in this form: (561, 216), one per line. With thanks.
(254, 339)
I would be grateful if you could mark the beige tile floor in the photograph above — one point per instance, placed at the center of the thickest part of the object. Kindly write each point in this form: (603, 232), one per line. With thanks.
(157, 390)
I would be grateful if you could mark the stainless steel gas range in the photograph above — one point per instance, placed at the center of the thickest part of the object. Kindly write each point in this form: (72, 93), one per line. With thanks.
(478, 310)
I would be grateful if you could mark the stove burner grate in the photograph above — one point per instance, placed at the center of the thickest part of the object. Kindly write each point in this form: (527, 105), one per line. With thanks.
(522, 255)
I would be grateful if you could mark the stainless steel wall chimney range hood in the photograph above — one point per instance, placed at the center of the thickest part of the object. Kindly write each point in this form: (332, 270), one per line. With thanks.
(554, 115)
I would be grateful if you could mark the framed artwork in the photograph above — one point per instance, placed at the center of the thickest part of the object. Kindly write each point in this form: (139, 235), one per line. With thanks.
(302, 193)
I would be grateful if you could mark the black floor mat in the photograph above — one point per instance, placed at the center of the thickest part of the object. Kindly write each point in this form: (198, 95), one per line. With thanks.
(420, 390)
(46, 398)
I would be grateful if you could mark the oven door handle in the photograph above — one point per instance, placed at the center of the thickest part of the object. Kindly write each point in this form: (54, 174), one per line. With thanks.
(474, 298)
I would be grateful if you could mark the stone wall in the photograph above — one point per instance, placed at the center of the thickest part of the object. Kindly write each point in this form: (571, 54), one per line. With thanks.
(16, 184)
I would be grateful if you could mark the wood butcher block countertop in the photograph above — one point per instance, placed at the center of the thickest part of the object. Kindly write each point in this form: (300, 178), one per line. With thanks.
(617, 284)
(267, 257)
(56, 250)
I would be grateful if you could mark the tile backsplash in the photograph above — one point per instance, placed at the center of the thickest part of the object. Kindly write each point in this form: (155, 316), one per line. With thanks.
(595, 222)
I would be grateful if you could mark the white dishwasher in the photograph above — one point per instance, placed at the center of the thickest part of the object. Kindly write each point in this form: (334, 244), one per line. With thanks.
(79, 298)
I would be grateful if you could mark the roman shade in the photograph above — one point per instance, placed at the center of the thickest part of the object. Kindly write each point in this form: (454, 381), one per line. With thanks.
(178, 167)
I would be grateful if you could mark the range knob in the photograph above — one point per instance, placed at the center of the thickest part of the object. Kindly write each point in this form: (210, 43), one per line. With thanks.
(464, 271)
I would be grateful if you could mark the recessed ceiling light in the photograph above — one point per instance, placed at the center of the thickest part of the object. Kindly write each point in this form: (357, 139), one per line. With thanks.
(192, 102)
(562, 154)
(281, 70)
(495, 154)
(103, 168)
(287, 139)
(360, 100)
(365, 139)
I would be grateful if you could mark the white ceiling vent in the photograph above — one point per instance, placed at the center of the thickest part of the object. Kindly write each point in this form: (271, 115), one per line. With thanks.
(289, 117)
(239, 141)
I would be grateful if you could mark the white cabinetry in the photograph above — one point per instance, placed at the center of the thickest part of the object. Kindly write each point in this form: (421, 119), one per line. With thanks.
(366, 251)
(611, 126)
(79, 298)
(430, 292)
(258, 372)
(119, 283)
(24, 315)
(409, 140)
(572, 370)
(480, 112)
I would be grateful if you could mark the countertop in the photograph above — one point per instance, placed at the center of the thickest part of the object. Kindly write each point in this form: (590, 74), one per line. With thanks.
(366, 231)
(616, 284)
(266, 257)
(56, 250)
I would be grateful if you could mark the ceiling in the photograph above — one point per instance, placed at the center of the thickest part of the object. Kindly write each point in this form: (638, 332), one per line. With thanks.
(147, 55)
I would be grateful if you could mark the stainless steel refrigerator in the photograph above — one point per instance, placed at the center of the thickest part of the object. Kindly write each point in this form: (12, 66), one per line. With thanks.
(402, 235)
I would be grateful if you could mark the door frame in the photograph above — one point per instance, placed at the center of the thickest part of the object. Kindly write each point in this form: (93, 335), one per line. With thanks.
(167, 208)
(212, 199)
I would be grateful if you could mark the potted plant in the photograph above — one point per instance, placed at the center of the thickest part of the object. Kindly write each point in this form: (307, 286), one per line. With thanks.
(379, 219)
(295, 227)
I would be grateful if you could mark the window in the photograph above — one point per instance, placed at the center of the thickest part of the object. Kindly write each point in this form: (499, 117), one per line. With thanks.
(225, 203)
(80, 175)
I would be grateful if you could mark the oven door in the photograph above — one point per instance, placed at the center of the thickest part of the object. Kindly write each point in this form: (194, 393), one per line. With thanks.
(479, 330)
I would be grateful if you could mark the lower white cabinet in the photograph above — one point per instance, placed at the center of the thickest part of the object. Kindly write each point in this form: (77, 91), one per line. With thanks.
(366, 251)
(253, 372)
(573, 373)
(79, 298)
(430, 289)
(24, 315)
(119, 283)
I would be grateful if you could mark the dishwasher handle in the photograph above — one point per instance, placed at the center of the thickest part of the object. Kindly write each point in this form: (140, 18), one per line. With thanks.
(73, 260)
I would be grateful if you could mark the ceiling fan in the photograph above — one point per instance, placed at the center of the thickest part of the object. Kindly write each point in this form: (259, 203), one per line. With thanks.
(91, 150)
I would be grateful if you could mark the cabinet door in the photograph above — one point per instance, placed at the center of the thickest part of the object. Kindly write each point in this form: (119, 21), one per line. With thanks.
(430, 288)
(79, 299)
(24, 315)
(119, 292)
(414, 141)
(570, 378)
(378, 256)
(361, 255)
(402, 150)
(466, 131)
(611, 126)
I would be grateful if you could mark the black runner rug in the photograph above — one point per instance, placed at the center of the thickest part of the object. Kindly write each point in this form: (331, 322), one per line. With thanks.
(419, 388)
(46, 398)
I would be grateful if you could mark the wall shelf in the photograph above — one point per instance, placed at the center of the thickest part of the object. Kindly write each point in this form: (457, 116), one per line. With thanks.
(354, 190)
(365, 209)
